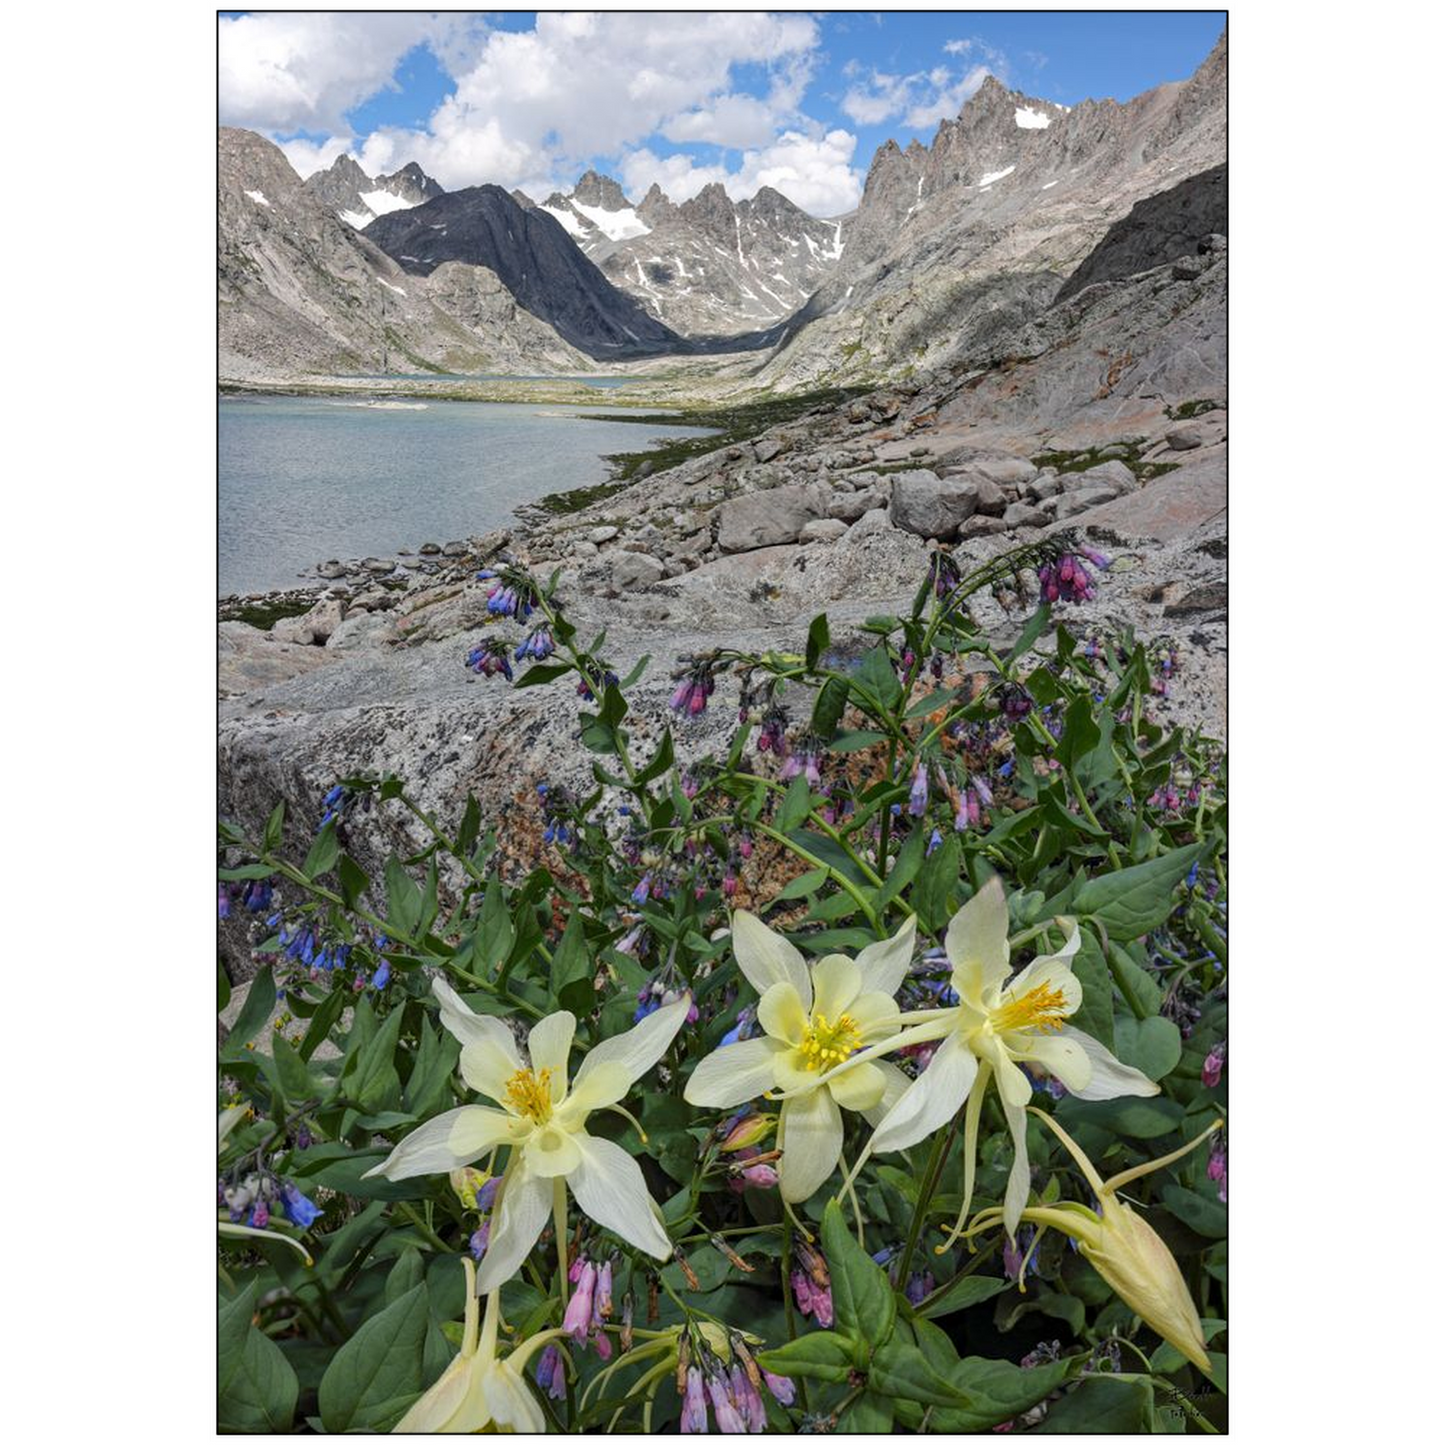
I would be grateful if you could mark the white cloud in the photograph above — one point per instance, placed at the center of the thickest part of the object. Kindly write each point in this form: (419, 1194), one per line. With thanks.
(924, 98)
(814, 172)
(308, 157)
(303, 71)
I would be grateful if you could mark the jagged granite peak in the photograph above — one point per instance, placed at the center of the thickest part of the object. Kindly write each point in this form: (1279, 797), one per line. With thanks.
(411, 183)
(535, 258)
(655, 207)
(299, 290)
(358, 198)
(1013, 194)
(524, 200)
(714, 267)
(593, 189)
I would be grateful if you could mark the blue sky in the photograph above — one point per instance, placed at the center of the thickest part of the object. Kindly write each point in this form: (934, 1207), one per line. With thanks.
(795, 100)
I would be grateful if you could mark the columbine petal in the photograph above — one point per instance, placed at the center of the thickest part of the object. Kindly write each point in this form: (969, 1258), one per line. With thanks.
(876, 1015)
(551, 1151)
(811, 1132)
(510, 1402)
(733, 1075)
(526, 1202)
(1016, 1193)
(608, 1186)
(1053, 973)
(859, 1088)
(883, 965)
(1108, 1078)
(895, 1083)
(469, 1027)
(836, 982)
(486, 1066)
(1064, 1058)
(548, 1046)
(932, 1099)
(639, 1048)
(781, 1014)
(429, 1149)
(479, 1129)
(1013, 1084)
(767, 958)
(606, 1084)
(977, 942)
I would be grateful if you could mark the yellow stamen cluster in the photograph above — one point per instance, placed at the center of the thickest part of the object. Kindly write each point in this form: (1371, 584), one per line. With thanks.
(1040, 1008)
(826, 1044)
(531, 1094)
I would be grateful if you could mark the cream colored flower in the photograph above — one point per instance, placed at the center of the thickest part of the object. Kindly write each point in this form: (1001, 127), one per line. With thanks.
(813, 1019)
(477, 1391)
(541, 1120)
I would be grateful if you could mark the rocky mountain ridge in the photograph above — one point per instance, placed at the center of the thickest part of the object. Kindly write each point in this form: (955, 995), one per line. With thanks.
(359, 199)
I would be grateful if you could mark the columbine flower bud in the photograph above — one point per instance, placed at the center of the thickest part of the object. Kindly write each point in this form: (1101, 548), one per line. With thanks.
(747, 1129)
(465, 1184)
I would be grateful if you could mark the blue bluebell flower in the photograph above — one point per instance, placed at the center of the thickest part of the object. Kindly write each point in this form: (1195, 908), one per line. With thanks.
(299, 1209)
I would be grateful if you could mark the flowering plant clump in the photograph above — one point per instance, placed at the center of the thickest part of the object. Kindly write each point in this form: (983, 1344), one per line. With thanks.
(846, 1077)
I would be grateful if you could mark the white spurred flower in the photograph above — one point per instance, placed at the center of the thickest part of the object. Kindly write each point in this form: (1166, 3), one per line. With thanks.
(540, 1119)
(998, 1024)
(477, 1391)
(813, 1019)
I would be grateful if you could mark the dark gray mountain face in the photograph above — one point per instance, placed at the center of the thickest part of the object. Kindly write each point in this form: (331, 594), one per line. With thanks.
(300, 290)
(536, 260)
(1158, 229)
(358, 198)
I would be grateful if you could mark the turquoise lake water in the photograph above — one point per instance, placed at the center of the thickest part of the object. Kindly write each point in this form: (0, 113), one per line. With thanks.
(305, 479)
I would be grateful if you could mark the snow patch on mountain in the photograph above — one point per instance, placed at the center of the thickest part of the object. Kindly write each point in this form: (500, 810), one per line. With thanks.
(1027, 119)
(615, 225)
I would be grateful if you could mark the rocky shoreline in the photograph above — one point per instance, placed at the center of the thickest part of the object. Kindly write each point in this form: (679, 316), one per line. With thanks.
(1107, 418)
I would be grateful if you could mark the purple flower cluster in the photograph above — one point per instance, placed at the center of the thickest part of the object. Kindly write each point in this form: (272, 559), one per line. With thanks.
(695, 684)
(804, 760)
(590, 1305)
(1213, 1069)
(812, 1285)
(1015, 701)
(537, 645)
(254, 1198)
(734, 1391)
(1218, 1170)
(489, 658)
(773, 732)
(1068, 579)
(508, 596)
(254, 896)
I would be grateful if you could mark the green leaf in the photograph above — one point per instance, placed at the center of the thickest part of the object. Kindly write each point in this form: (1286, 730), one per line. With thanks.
(821, 1355)
(796, 805)
(406, 1274)
(296, 1081)
(1206, 1216)
(828, 708)
(374, 1084)
(353, 880)
(324, 852)
(905, 868)
(863, 1304)
(1033, 630)
(1101, 1406)
(1151, 1045)
(223, 987)
(803, 885)
(1140, 988)
(856, 741)
(876, 678)
(661, 759)
(541, 672)
(378, 1373)
(327, 1012)
(275, 824)
(870, 1414)
(1095, 1014)
(403, 899)
(572, 968)
(817, 639)
(1134, 1118)
(256, 1386)
(1081, 732)
(935, 894)
(436, 1058)
(1134, 900)
(899, 1369)
(972, 1289)
(494, 929)
(996, 1391)
(260, 1002)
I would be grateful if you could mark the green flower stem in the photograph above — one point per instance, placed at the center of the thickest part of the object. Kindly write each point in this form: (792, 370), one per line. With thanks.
(423, 1228)
(431, 826)
(844, 882)
(932, 1172)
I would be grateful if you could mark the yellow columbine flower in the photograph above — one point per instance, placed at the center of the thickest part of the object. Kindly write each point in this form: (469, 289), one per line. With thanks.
(813, 1020)
(477, 1391)
(541, 1118)
(997, 1024)
(1132, 1260)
